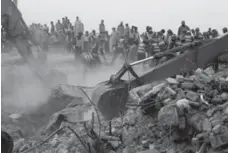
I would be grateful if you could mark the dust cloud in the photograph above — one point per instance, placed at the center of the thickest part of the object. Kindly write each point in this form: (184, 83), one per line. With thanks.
(23, 92)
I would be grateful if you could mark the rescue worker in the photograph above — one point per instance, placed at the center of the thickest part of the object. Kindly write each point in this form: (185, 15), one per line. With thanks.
(133, 44)
(161, 34)
(120, 29)
(182, 28)
(188, 37)
(168, 37)
(141, 53)
(198, 35)
(224, 30)
(173, 43)
(147, 40)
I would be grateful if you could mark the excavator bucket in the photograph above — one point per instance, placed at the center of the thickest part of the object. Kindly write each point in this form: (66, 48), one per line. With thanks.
(111, 96)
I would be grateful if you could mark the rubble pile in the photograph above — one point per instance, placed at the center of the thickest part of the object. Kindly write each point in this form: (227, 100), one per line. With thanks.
(182, 114)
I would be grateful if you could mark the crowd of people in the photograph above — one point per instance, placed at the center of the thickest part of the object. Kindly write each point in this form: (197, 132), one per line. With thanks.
(122, 38)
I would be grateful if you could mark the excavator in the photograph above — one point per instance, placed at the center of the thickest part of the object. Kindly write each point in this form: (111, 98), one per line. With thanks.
(110, 96)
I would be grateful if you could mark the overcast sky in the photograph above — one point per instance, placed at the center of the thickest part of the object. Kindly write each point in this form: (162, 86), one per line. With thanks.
(157, 13)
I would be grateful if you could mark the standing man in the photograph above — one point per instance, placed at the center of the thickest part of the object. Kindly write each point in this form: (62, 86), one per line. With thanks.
(120, 29)
(102, 27)
(58, 26)
(52, 28)
(78, 27)
(113, 40)
(182, 29)
(127, 30)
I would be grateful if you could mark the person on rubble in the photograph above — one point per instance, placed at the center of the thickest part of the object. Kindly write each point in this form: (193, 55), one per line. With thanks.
(113, 39)
(168, 37)
(206, 35)
(188, 38)
(107, 38)
(64, 25)
(46, 29)
(102, 27)
(173, 42)
(198, 35)
(161, 35)
(58, 26)
(93, 37)
(193, 32)
(120, 29)
(79, 45)
(52, 28)
(86, 41)
(147, 40)
(101, 45)
(182, 28)
(120, 46)
(78, 26)
(214, 33)
(127, 31)
(224, 30)
(133, 43)
(137, 36)
(209, 32)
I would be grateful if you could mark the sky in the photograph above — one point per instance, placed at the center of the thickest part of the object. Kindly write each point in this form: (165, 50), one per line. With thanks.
(160, 14)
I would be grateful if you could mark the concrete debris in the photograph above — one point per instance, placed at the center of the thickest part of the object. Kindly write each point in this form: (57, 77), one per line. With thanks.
(186, 114)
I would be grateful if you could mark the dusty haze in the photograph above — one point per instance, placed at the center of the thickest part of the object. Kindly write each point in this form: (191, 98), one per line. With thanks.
(157, 13)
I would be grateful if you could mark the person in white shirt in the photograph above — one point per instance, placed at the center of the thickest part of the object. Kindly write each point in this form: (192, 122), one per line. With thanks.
(78, 26)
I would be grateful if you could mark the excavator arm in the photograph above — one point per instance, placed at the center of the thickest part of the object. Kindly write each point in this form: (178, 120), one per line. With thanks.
(17, 32)
(111, 96)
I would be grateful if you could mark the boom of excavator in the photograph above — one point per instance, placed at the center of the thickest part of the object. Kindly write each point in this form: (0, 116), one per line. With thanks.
(18, 34)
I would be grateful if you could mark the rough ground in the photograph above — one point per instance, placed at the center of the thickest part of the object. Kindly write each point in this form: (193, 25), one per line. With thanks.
(184, 114)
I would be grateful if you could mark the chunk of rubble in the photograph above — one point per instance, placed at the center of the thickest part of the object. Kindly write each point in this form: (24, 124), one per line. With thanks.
(193, 96)
(15, 116)
(209, 71)
(172, 81)
(71, 115)
(150, 151)
(168, 116)
(219, 136)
